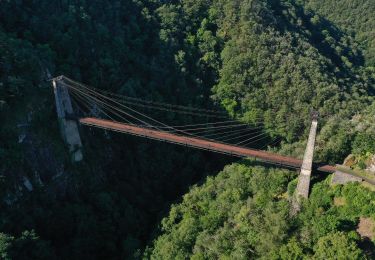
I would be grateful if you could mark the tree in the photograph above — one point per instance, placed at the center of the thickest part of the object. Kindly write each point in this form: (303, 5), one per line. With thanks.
(27, 246)
(364, 143)
(337, 246)
(292, 250)
(5, 244)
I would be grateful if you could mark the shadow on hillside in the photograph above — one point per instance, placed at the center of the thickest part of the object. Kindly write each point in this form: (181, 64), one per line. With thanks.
(368, 247)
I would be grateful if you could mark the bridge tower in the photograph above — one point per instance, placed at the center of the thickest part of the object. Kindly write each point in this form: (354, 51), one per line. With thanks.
(303, 186)
(67, 123)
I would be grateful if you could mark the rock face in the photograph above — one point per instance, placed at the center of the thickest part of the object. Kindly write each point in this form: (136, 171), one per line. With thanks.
(366, 228)
(42, 168)
(350, 160)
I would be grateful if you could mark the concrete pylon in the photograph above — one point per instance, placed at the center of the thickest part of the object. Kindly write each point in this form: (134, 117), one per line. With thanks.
(68, 126)
(303, 186)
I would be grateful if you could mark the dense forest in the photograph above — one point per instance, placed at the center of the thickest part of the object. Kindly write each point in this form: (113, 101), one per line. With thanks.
(352, 17)
(267, 63)
(243, 214)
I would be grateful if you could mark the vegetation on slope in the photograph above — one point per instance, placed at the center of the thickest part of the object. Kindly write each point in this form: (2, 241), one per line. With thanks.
(268, 62)
(277, 61)
(273, 62)
(355, 17)
(107, 206)
(243, 213)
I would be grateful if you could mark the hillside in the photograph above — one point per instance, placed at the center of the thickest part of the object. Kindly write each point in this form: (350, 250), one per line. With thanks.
(268, 61)
(108, 205)
(265, 63)
(355, 17)
(243, 213)
(278, 59)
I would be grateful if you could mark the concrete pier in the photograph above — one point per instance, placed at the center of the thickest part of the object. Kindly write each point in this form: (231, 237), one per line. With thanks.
(303, 185)
(68, 126)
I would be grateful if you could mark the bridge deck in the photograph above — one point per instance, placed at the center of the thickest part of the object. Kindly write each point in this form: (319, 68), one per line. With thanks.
(198, 143)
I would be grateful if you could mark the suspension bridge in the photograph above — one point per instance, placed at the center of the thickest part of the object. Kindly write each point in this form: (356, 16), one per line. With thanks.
(78, 103)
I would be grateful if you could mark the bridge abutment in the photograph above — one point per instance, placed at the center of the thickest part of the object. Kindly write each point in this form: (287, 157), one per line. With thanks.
(68, 126)
(340, 177)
